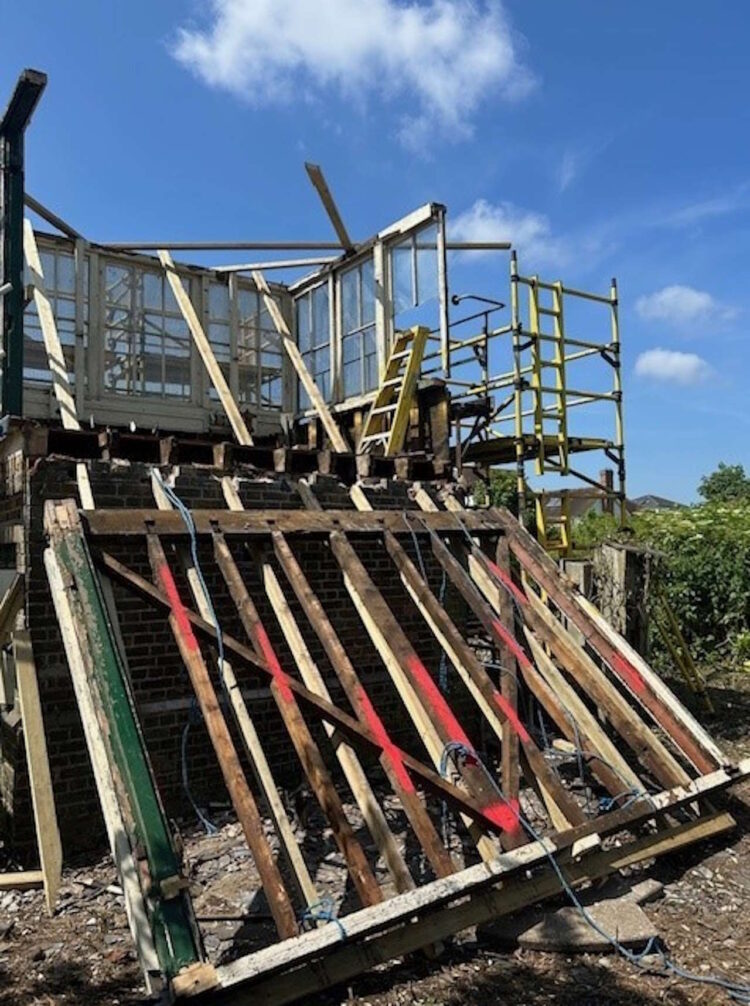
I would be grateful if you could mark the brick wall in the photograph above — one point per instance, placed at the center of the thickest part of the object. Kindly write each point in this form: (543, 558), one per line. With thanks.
(159, 679)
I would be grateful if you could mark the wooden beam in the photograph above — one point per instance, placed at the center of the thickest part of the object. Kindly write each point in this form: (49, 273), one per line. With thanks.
(254, 749)
(94, 732)
(390, 758)
(637, 677)
(40, 781)
(205, 350)
(433, 718)
(55, 356)
(493, 705)
(226, 753)
(21, 880)
(315, 174)
(292, 350)
(307, 749)
(251, 522)
(479, 894)
(347, 725)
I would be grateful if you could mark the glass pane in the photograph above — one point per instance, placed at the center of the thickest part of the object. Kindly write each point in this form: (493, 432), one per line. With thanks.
(66, 274)
(152, 291)
(352, 379)
(401, 266)
(368, 292)
(321, 317)
(303, 323)
(370, 359)
(350, 300)
(218, 302)
(427, 262)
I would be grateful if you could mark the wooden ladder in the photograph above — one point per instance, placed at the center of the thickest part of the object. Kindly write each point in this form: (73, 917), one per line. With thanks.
(388, 418)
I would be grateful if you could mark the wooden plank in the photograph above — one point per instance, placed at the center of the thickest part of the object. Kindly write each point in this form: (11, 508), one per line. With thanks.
(55, 356)
(40, 781)
(637, 677)
(390, 758)
(315, 174)
(402, 923)
(111, 522)
(226, 753)
(253, 747)
(318, 402)
(349, 727)
(10, 605)
(351, 766)
(307, 750)
(21, 880)
(119, 843)
(433, 718)
(205, 350)
(493, 705)
(576, 663)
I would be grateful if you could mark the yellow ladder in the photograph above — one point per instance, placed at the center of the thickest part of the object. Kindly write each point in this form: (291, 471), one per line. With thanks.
(388, 418)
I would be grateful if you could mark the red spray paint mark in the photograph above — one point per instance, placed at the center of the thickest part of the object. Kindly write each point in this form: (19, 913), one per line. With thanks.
(279, 676)
(632, 678)
(178, 608)
(504, 578)
(511, 642)
(512, 717)
(435, 697)
(504, 814)
(378, 730)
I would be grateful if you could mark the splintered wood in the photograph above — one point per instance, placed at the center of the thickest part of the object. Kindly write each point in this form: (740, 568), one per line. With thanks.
(510, 679)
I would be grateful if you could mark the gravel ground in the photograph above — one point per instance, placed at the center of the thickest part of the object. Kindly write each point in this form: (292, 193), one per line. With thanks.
(84, 955)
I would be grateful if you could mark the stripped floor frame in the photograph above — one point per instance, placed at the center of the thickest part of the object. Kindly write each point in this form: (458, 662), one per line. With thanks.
(650, 763)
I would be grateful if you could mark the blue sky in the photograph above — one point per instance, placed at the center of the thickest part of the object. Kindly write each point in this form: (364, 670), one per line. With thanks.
(603, 139)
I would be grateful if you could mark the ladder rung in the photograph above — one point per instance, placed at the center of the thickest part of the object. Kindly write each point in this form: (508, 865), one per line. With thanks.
(383, 410)
(399, 355)
(383, 435)
(550, 311)
(391, 383)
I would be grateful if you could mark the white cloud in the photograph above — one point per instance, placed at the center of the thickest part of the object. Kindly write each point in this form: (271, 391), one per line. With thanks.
(530, 233)
(443, 56)
(681, 305)
(673, 366)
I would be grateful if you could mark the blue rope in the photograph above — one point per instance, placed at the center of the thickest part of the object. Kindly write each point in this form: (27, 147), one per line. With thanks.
(194, 712)
(739, 991)
(324, 911)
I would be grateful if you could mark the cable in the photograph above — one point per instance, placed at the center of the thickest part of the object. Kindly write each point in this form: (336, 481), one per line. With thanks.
(324, 911)
(738, 991)
(194, 712)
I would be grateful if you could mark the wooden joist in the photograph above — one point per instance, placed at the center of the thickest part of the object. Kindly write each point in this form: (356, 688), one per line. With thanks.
(252, 522)
(306, 380)
(213, 369)
(40, 781)
(635, 674)
(242, 799)
(307, 749)
(253, 747)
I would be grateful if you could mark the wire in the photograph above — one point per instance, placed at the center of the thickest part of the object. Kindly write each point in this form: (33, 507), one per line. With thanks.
(738, 991)
(324, 911)
(194, 711)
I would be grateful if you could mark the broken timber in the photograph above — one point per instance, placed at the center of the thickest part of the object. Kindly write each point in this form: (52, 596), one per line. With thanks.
(680, 768)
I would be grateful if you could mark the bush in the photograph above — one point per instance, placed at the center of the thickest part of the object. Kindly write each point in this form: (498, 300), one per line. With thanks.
(703, 568)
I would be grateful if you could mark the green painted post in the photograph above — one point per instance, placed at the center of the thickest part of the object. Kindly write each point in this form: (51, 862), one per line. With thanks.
(28, 91)
(168, 903)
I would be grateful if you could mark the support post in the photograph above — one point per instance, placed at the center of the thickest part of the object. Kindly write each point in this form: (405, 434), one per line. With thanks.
(28, 91)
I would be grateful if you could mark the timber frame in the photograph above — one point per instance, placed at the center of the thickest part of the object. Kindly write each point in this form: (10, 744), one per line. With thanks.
(661, 773)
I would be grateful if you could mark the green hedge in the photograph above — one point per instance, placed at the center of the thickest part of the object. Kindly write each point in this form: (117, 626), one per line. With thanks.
(703, 566)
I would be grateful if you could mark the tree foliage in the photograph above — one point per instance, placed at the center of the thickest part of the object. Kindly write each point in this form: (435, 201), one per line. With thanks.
(725, 485)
